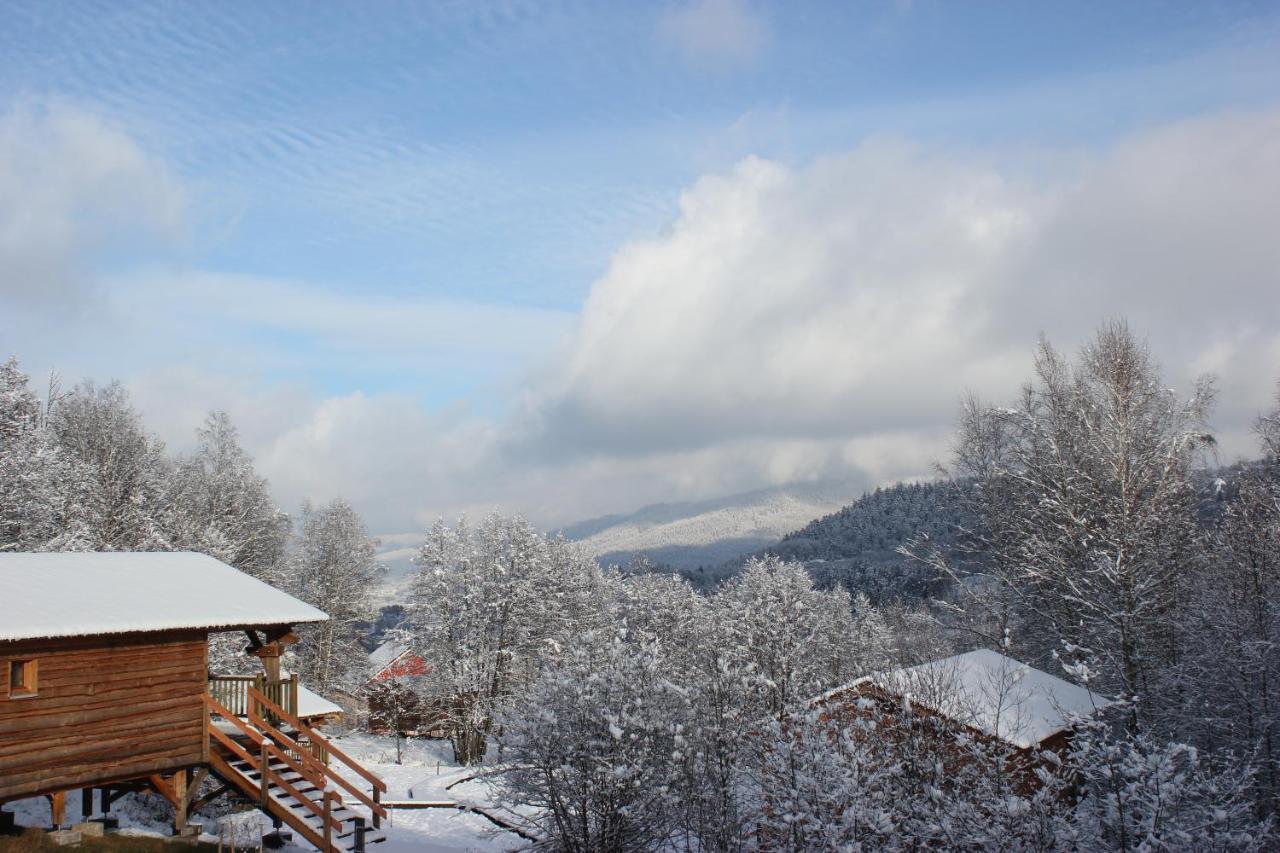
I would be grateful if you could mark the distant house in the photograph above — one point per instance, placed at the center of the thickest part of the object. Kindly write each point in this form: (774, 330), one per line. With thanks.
(395, 660)
(983, 693)
(394, 691)
(104, 688)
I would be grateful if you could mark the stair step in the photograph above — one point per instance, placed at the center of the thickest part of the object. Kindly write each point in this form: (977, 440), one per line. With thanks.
(301, 789)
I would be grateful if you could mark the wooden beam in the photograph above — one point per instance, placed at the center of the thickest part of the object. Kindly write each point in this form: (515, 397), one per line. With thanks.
(201, 802)
(164, 788)
(194, 785)
(282, 634)
(86, 803)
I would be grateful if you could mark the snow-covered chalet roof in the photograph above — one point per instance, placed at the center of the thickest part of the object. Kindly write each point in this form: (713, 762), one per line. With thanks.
(76, 594)
(386, 654)
(994, 694)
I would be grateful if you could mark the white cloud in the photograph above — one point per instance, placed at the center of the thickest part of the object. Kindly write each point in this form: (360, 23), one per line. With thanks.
(861, 294)
(715, 31)
(73, 187)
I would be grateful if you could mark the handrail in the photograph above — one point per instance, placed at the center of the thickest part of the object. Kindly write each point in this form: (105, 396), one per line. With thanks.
(230, 716)
(379, 786)
(267, 776)
(309, 766)
(308, 773)
(328, 744)
(311, 833)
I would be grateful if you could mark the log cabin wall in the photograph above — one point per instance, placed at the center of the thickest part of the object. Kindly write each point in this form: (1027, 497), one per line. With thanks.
(105, 709)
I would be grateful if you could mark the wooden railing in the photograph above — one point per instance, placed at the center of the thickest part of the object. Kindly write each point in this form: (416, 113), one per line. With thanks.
(259, 759)
(266, 715)
(232, 692)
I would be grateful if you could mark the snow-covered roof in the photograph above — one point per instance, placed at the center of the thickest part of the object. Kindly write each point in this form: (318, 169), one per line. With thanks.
(994, 694)
(386, 654)
(76, 594)
(314, 705)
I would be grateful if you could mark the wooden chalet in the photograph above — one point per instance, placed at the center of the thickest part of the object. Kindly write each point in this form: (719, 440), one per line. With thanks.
(982, 694)
(104, 687)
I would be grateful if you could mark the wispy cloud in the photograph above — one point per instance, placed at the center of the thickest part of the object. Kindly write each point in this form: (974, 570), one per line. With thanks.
(716, 32)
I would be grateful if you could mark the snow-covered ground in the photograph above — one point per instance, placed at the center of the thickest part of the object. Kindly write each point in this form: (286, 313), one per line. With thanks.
(426, 770)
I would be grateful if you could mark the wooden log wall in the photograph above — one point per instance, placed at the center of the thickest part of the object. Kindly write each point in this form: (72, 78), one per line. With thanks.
(107, 708)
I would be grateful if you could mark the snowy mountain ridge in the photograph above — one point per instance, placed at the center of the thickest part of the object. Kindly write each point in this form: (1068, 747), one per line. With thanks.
(690, 534)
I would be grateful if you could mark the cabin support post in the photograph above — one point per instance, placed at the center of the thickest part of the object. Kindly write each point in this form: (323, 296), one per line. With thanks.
(86, 803)
(180, 802)
(6, 822)
(58, 808)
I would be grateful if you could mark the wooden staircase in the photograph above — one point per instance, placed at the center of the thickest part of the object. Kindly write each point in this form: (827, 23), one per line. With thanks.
(283, 765)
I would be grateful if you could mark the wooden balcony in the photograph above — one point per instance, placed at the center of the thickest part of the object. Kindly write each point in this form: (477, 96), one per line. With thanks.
(233, 692)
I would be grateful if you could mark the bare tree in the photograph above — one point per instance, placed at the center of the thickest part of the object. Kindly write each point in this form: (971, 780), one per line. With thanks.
(1086, 500)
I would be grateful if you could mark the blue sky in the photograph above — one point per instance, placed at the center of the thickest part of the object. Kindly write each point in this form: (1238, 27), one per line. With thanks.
(444, 216)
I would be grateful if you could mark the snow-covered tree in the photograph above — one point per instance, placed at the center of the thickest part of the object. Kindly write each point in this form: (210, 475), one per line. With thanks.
(1086, 500)
(222, 506)
(335, 570)
(1230, 634)
(125, 496)
(1139, 794)
(492, 604)
(665, 610)
(595, 747)
(798, 638)
(40, 487)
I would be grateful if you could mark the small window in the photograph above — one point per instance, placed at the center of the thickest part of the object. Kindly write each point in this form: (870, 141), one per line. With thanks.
(22, 678)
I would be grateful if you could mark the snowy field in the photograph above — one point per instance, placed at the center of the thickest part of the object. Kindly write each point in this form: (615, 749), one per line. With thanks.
(425, 773)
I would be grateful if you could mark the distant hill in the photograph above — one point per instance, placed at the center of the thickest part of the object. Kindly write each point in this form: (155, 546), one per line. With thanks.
(857, 545)
(708, 533)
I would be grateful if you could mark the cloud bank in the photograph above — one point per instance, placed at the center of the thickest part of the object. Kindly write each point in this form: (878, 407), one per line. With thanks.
(793, 323)
(858, 295)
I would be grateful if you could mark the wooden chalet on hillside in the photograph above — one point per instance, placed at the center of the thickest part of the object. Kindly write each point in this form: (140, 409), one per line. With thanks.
(982, 694)
(104, 686)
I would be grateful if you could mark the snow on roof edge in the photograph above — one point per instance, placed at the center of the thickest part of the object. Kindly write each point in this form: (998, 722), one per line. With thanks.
(1026, 733)
(83, 594)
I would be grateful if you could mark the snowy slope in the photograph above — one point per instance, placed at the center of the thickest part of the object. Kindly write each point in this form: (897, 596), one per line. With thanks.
(686, 535)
